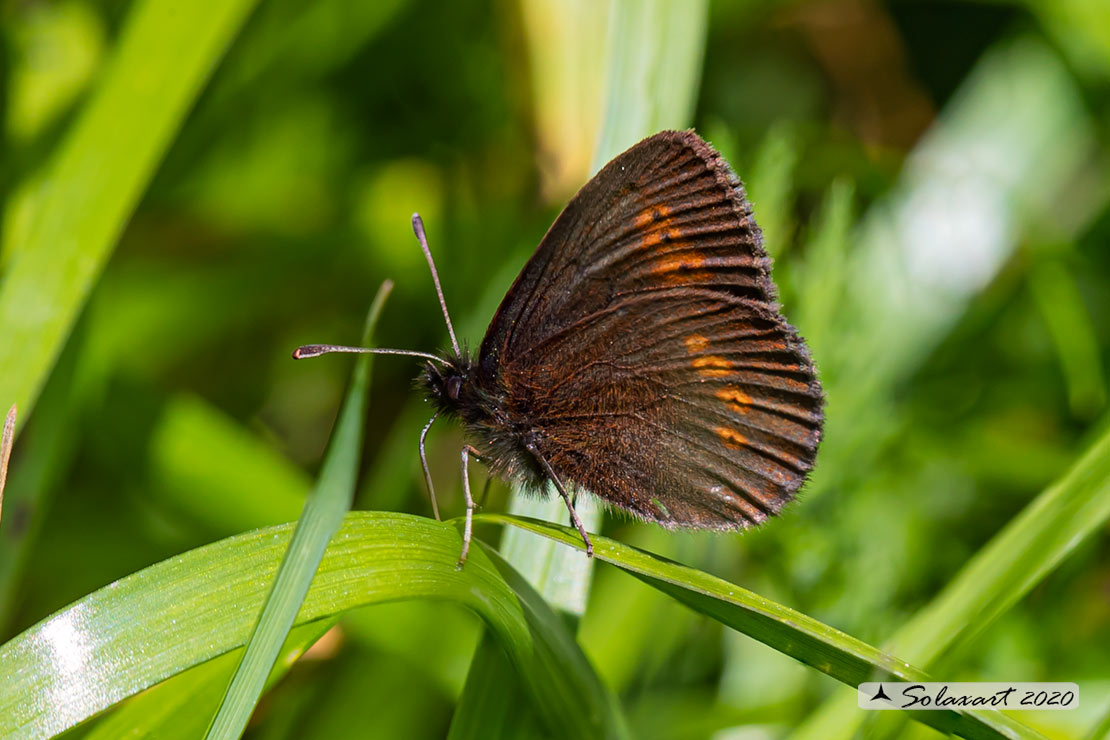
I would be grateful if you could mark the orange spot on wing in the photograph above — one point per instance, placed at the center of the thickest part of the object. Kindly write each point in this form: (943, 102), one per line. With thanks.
(655, 238)
(674, 265)
(712, 366)
(736, 399)
(696, 343)
(657, 227)
(732, 438)
(652, 215)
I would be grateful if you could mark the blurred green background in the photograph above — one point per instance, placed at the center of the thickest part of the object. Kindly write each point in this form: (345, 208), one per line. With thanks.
(932, 178)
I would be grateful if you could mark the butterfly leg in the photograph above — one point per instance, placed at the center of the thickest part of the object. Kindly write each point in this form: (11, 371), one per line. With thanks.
(489, 478)
(468, 526)
(566, 497)
(424, 464)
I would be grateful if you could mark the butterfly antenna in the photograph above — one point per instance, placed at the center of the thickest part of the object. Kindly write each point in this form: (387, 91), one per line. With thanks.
(418, 229)
(315, 350)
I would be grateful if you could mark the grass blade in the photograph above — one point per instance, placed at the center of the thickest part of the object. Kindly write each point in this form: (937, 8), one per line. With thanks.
(181, 706)
(771, 187)
(163, 620)
(830, 651)
(563, 656)
(167, 50)
(501, 715)
(654, 59)
(1069, 323)
(323, 513)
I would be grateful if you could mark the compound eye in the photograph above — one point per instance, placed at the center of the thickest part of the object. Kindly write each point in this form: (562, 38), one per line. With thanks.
(454, 387)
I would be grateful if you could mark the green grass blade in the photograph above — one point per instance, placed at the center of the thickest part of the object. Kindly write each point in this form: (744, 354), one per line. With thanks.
(562, 656)
(163, 620)
(825, 270)
(323, 513)
(1014, 561)
(1069, 322)
(655, 51)
(166, 51)
(180, 707)
(502, 717)
(770, 184)
(830, 651)
(562, 577)
(1005, 570)
(840, 656)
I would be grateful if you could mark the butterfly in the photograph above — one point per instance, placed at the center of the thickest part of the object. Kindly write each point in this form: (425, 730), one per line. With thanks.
(640, 354)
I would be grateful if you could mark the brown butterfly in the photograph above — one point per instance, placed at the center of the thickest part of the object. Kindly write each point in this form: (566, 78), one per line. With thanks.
(640, 354)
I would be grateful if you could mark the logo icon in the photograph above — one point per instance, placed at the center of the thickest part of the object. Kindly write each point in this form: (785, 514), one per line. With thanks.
(880, 694)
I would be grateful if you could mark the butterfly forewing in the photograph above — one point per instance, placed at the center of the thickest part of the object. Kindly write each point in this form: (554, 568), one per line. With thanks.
(643, 346)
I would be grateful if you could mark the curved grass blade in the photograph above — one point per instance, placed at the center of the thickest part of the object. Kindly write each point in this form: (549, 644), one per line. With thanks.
(179, 708)
(163, 620)
(563, 655)
(494, 710)
(322, 515)
(830, 651)
(166, 51)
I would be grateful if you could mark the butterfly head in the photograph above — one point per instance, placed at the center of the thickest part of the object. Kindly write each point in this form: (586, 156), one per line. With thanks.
(449, 384)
